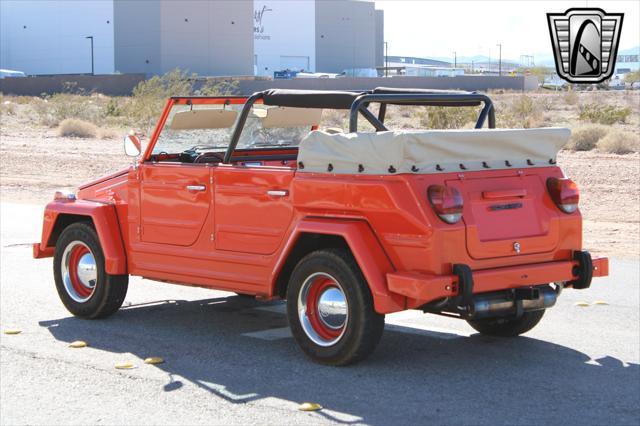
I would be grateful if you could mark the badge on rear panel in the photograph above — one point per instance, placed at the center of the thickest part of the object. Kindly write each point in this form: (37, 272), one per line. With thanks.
(509, 206)
(516, 247)
(585, 43)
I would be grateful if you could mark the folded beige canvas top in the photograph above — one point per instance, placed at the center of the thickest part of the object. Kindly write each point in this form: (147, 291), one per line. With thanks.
(427, 151)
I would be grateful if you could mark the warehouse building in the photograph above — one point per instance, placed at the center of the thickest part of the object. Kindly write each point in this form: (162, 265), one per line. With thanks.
(222, 37)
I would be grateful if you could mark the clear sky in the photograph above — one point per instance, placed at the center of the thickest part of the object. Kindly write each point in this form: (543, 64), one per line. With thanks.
(438, 28)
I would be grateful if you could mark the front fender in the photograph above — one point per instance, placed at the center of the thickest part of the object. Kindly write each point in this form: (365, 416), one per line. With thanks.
(369, 254)
(105, 221)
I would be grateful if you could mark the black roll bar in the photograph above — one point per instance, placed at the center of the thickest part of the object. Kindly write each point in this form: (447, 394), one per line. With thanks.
(426, 99)
(237, 132)
(361, 103)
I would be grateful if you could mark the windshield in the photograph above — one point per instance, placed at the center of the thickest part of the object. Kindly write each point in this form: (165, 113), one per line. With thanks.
(209, 127)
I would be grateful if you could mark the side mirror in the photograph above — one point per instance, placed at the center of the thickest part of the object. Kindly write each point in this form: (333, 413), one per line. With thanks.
(132, 146)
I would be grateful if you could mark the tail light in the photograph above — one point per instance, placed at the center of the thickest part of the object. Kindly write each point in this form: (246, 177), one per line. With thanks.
(564, 193)
(446, 202)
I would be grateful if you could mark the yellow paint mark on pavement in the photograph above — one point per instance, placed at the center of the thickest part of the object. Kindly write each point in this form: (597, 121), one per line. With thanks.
(309, 406)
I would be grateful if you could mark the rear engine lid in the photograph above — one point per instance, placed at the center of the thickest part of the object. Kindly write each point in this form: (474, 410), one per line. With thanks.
(507, 216)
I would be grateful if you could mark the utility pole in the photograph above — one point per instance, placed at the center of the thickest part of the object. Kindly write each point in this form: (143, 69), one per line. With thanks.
(500, 59)
(92, 69)
(386, 59)
(455, 59)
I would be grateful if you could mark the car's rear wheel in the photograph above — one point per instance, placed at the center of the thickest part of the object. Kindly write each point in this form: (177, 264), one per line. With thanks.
(507, 327)
(84, 287)
(330, 309)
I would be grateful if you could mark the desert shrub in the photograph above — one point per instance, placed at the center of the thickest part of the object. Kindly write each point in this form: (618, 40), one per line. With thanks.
(448, 117)
(61, 106)
(632, 77)
(586, 138)
(7, 107)
(109, 133)
(113, 108)
(604, 114)
(546, 102)
(571, 97)
(149, 96)
(620, 142)
(521, 112)
(76, 128)
(335, 119)
(219, 88)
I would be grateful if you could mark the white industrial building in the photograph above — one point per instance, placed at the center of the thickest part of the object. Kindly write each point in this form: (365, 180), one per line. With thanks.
(221, 37)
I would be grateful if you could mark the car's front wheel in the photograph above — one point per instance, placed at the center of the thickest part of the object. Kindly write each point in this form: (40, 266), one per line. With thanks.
(84, 287)
(330, 309)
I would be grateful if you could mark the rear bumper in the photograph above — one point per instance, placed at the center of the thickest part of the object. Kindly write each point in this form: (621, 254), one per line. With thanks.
(427, 288)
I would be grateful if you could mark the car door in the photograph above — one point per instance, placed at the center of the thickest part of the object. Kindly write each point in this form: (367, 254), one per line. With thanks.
(252, 207)
(175, 200)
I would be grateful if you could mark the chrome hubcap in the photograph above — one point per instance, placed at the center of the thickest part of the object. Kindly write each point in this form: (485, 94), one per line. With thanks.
(79, 271)
(332, 307)
(323, 309)
(87, 272)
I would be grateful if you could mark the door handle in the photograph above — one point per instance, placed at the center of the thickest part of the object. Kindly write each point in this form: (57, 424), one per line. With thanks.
(196, 187)
(277, 193)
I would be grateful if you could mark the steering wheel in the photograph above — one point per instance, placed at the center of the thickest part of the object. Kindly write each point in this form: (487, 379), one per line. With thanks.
(202, 158)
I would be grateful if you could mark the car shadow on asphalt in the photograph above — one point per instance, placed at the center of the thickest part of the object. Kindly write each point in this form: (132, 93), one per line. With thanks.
(426, 378)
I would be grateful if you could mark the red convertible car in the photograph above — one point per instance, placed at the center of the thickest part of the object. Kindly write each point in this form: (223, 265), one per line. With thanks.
(252, 195)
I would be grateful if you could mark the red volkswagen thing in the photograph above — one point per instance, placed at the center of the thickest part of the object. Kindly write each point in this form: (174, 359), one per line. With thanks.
(254, 196)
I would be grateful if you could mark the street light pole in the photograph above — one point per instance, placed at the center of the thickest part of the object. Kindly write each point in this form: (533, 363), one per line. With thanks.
(455, 59)
(386, 59)
(92, 69)
(500, 59)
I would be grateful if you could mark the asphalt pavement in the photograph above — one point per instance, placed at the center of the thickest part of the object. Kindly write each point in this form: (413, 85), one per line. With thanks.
(229, 360)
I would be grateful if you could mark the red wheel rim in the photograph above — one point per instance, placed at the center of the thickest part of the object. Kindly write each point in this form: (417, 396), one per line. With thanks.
(323, 309)
(79, 271)
(74, 259)
(317, 288)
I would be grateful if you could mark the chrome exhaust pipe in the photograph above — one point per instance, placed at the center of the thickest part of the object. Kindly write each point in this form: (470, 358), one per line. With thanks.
(500, 304)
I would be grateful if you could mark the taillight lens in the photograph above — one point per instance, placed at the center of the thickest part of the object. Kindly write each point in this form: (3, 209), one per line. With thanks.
(446, 202)
(564, 193)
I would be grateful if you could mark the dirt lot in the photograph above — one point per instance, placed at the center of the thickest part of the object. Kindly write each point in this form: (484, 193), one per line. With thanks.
(35, 162)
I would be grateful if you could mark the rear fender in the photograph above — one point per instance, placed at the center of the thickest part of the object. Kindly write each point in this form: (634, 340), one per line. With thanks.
(366, 249)
(105, 221)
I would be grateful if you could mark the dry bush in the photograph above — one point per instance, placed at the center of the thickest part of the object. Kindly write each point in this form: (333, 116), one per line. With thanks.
(546, 102)
(620, 142)
(7, 108)
(108, 133)
(604, 114)
(334, 118)
(76, 128)
(51, 111)
(216, 87)
(150, 96)
(571, 98)
(586, 138)
(521, 112)
(429, 117)
(448, 117)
